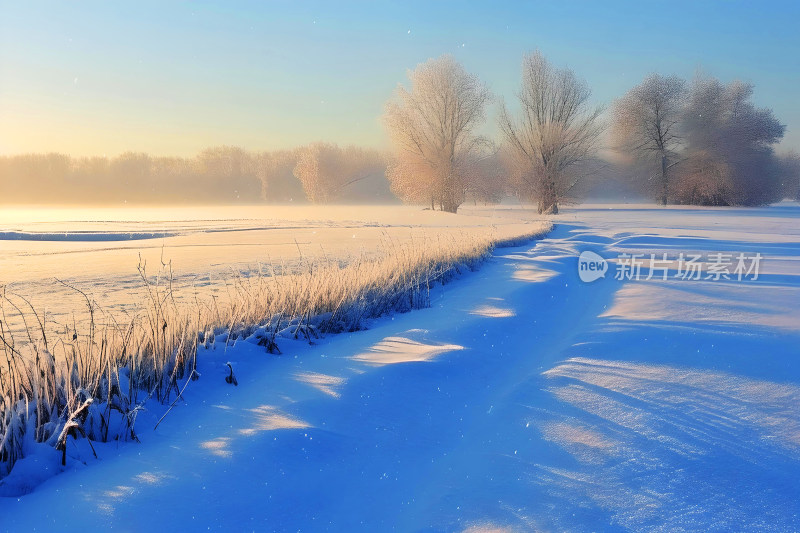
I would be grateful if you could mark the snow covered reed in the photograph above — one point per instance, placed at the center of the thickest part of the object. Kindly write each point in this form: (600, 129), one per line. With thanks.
(92, 378)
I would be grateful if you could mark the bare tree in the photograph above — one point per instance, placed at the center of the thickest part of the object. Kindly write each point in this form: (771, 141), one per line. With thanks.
(556, 128)
(646, 123)
(325, 170)
(432, 127)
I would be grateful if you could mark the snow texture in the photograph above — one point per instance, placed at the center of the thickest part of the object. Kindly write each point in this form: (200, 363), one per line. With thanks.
(524, 399)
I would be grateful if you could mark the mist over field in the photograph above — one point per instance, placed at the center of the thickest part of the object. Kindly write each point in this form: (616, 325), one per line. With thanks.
(399, 267)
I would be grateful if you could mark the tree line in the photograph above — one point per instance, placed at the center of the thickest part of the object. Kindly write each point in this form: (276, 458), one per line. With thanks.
(316, 173)
(702, 143)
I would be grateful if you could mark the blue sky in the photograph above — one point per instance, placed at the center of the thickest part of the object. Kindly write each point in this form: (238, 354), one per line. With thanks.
(174, 77)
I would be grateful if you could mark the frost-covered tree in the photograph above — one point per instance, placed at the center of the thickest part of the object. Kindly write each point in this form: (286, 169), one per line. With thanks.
(556, 127)
(224, 161)
(789, 172)
(325, 170)
(275, 171)
(646, 122)
(231, 170)
(486, 179)
(432, 126)
(722, 124)
(412, 180)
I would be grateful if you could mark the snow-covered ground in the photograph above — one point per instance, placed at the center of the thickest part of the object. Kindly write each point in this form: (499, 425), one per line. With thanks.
(97, 250)
(524, 399)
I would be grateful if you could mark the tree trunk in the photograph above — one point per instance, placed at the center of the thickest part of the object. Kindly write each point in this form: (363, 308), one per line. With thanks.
(450, 207)
(547, 208)
(664, 183)
(548, 201)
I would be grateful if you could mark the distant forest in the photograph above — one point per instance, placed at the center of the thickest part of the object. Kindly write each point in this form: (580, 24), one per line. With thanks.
(228, 175)
(702, 142)
(219, 175)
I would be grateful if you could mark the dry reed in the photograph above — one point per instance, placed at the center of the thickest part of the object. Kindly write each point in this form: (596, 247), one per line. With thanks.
(93, 378)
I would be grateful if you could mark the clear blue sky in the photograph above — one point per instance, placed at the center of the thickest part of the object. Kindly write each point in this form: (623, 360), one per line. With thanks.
(174, 77)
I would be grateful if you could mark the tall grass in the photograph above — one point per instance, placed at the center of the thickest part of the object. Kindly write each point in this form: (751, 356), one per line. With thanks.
(93, 378)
